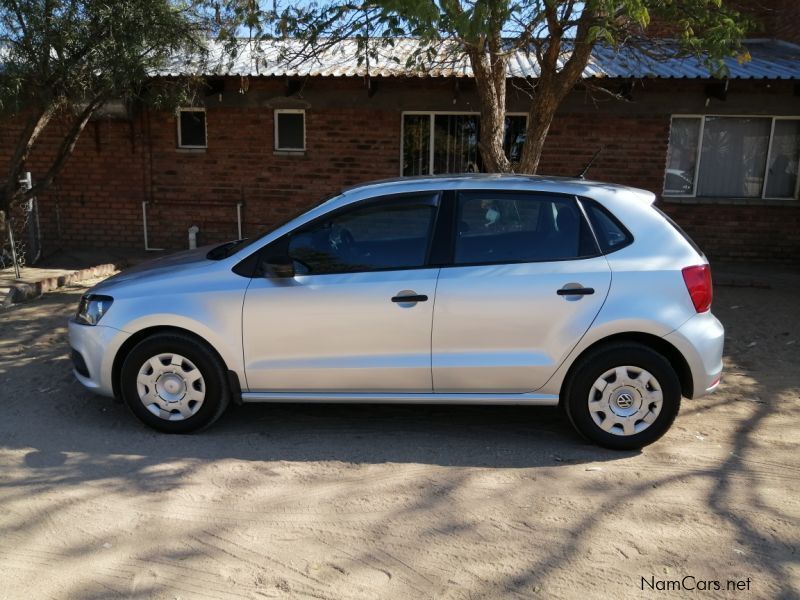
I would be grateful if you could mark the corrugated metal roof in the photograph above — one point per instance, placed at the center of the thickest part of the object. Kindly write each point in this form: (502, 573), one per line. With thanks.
(769, 60)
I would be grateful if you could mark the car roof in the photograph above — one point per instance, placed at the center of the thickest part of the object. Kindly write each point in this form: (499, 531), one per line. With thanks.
(543, 183)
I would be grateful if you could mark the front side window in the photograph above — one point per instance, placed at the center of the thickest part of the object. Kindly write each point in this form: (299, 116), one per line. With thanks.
(435, 144)
(290, 130)
(733, 157)
(192, 128)
(497, 227)
(393, 234)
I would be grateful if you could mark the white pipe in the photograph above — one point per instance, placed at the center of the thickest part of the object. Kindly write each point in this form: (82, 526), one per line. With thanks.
(144, 226)
(239, 218)
(193, 236)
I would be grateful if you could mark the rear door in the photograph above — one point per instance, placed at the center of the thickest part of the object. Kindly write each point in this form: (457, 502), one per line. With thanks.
(526, 282)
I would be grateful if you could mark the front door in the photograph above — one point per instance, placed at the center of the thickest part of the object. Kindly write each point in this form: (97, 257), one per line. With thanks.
(357, 315)
(526, 284)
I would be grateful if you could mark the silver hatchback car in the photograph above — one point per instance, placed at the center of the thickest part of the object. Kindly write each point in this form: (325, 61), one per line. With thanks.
(460, 290)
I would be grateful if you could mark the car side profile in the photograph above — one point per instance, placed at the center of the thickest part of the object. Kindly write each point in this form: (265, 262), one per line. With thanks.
(481, 289)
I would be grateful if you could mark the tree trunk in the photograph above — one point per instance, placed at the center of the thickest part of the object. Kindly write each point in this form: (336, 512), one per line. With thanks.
(490, 78)
(540, 117)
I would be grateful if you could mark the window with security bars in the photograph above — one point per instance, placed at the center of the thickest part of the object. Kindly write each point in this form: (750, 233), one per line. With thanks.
(441, 143)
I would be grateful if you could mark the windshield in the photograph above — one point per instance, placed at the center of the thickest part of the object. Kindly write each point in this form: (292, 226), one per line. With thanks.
(230, 248)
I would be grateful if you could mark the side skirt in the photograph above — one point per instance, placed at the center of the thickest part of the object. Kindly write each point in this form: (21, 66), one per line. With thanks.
(367, 398)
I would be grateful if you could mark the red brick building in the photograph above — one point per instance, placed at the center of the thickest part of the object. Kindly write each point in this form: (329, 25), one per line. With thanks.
(267, 140)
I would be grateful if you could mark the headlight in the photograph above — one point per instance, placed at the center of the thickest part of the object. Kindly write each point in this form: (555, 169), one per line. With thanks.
(92, 308)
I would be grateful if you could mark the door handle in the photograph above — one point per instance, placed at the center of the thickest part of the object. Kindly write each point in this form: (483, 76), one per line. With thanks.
(410, 298)
(577, 291)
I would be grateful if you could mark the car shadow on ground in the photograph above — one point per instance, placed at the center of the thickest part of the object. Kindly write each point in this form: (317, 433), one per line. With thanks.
(447, 435)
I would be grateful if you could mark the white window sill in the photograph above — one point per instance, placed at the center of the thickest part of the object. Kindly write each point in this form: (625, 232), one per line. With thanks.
(289, 152)
(730, 201)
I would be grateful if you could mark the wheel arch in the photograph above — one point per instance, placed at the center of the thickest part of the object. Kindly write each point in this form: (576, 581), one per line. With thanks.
(659, 344)
(130, 343)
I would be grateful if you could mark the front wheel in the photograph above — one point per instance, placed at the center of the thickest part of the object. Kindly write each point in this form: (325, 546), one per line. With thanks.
(623, 396)
(174, 384)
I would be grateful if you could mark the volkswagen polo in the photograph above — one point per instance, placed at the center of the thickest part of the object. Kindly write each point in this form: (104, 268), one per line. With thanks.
(513, 290)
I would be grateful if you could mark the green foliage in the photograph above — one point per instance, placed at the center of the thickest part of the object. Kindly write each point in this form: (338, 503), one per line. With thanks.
(65, 53)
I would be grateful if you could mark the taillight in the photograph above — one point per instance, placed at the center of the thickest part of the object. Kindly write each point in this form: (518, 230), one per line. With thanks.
(698, 282)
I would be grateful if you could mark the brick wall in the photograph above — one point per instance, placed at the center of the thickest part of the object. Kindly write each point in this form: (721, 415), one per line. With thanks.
(781, 19)
(203, 188)
(742, 233)
(634, 148)
(97, 201)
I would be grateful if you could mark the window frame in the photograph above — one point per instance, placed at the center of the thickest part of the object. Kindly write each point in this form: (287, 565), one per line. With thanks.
(436, 197)
(431, 114)
(178, 113)
(276, 141)
(455, 197)
(702, 117)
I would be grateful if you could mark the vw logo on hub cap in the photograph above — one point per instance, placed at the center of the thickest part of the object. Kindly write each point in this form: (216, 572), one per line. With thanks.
(625, 400)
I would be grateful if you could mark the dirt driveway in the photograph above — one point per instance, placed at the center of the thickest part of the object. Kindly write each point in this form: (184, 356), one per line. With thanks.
(399, 502)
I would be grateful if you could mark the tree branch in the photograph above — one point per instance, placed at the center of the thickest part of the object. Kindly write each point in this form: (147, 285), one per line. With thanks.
(67, 146)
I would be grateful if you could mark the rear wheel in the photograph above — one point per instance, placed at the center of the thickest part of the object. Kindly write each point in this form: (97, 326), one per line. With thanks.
(174, 384)
(623, 396)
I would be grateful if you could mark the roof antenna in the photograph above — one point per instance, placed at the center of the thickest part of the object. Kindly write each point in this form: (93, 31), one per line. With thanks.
(582, 174)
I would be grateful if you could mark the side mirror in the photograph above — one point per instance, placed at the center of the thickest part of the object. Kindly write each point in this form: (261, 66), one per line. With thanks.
(278, 267)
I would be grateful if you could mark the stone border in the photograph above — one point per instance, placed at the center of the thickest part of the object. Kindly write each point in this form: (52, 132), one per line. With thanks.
(22, 292)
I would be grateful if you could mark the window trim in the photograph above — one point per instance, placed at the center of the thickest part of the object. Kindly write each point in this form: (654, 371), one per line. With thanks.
(201, 109)
(702, 117)
(431, 114)
(288, 111)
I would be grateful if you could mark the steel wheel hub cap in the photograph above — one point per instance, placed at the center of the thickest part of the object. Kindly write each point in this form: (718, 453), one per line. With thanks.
(625, 400)
(171, 387)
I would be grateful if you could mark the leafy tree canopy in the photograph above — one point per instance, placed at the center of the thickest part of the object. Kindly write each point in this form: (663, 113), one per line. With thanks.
(66, 58)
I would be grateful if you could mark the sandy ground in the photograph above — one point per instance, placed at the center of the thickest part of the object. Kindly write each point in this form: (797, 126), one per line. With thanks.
(399, 502)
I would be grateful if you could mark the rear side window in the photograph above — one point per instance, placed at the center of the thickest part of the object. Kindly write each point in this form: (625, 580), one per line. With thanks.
(513, 227)
(611, 234)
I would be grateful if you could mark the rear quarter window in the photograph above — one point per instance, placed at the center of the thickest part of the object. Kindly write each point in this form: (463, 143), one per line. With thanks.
(611, 234)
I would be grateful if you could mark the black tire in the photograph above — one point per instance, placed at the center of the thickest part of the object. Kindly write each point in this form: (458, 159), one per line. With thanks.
(575, 396)
(217, 392)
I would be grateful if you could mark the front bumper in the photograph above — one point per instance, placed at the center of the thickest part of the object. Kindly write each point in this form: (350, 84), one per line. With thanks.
(701, 340)
(93, 350)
